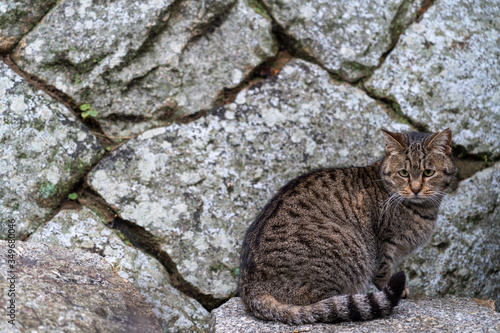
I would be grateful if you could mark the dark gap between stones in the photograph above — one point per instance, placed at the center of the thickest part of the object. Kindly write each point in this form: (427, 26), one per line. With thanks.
(74, 107)
(53, 4)
(266, 70)
(163, 21)
(150, 244)
(393, 108)
(426, 4)
(146, 242)
(467, 163)
(209, 27)
(79, 187)
(397, 28)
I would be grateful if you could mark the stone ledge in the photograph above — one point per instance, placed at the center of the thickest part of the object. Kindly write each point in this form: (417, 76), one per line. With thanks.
(56, 289)
(422, 314)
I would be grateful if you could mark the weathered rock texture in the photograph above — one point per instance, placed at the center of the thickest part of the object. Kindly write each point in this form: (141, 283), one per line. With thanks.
(346, 37)
(45, 150)
(140, 63)
(414, 315)
(17, 17)
(463, 256)
(188, 191)
(83, 229)
(58, 290)
(198, 186)
(445, 72)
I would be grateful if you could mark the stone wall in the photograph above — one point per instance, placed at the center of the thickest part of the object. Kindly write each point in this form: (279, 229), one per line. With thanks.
(201, 110)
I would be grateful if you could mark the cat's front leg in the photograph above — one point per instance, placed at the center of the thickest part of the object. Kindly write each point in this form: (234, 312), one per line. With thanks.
(384, 272)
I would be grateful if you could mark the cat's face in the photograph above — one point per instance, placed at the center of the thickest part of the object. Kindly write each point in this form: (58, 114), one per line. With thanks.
(418, 166)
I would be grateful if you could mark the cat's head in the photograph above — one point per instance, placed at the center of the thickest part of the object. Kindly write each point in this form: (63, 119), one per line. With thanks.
(418, 166)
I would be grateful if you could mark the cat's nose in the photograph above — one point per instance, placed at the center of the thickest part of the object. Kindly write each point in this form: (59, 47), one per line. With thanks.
(415, 186)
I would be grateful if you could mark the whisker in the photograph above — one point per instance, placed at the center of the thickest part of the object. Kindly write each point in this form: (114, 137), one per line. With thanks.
(432, 200)
(437, 197)
(401, 199)
(384, 207)
(440, 193)
(387, 204)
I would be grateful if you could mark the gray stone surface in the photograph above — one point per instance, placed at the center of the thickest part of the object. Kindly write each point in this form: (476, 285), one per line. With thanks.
(140, 63)
(45, 150)
(61, 290)
(463, 256)
(413, 315)
(347, 37)
(445, 72)
(17, 17)
(198, 186)
(84, 230)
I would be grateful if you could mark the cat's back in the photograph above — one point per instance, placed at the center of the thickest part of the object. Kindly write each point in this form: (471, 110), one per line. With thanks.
(311, 218)
(336, 194)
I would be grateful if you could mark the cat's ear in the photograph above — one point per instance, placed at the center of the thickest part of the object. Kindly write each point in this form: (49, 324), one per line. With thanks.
(441, 142)
(394, 142)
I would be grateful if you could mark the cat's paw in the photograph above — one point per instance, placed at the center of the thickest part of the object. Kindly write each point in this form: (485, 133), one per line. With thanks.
(406, 293)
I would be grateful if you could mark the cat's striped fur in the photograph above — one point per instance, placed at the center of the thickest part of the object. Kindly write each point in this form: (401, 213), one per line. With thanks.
(326, 235)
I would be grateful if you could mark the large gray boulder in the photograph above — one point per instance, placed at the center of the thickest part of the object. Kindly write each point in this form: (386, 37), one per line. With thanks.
(18, 17)
(346, 37)
(59, 290)
(463, 256)
(83, 229)
(445, 70)
(141, 63)
(414, 315)
(45, 151)
(197, 187)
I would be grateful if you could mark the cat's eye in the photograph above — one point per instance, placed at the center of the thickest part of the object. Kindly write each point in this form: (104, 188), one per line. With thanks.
(403, 173)
(428, 172)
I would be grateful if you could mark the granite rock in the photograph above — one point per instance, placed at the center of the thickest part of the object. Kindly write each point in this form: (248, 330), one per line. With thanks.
(146, 61)
(45, 150)
(414, 315)
(198, 186)
(84, 230)
(17, 17)
(444, 72)
(346, 37)
(463, 255)
(61, 290)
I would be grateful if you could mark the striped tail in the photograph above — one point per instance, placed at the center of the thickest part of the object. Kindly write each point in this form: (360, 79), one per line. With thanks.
(334, 309)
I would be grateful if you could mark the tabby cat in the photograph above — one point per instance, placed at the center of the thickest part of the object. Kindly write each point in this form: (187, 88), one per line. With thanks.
(327, 234)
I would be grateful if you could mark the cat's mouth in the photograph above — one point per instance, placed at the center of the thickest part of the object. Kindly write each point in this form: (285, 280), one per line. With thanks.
(419, 198)
(416, 197)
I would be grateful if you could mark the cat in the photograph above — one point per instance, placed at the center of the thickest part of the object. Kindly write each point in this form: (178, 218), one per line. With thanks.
(326, 235)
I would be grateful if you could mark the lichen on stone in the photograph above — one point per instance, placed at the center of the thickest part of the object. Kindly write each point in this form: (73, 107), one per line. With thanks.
(45, 150)
(346, 37)
(83, 229)
(156, 75)
(198, 186)
(444, 72)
